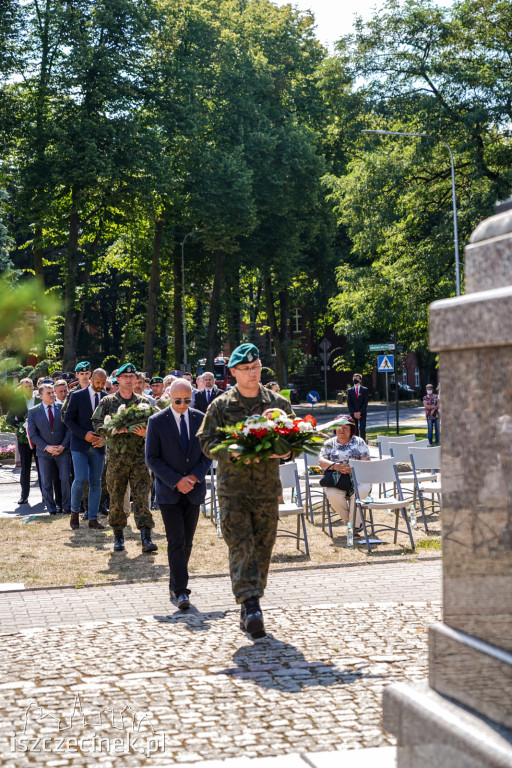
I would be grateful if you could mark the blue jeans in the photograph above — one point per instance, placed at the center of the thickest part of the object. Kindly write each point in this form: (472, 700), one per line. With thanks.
(433, 426)
(88, 466)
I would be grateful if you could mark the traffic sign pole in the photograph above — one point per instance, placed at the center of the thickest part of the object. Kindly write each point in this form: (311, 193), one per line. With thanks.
(387, 399)
(397, 405)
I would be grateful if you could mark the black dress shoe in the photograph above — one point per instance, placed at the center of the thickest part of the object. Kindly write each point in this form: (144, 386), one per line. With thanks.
(183, 601)
(23, 501)
(253, 623)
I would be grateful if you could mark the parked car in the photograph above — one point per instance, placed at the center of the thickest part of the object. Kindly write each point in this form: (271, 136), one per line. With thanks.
(405, 392)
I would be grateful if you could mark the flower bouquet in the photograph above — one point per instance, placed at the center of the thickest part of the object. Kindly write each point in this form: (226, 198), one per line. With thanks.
(127, 417)
(274, 432)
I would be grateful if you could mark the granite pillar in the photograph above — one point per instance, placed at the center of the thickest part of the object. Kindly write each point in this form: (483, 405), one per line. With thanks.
(464, 716)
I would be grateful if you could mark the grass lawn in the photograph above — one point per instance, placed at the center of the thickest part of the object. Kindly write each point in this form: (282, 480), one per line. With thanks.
(46, 552)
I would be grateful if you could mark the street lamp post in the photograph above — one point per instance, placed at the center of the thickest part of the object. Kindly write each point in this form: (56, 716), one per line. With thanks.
(454, 199)
(189, 234)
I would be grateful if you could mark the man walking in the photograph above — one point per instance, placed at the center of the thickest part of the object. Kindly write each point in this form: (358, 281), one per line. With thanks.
(204, 397)
(357, 402)
(248, 494)
(87, 450)
(173, 454)
(51, 438)
(431, 403)
(126, 464)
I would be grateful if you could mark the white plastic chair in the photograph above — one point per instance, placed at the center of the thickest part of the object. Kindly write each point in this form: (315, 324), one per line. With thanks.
(290, 480)
(426, 466)
(211, 497)
(312, 483)
(400, 452)
(379, 471)
(383, 442)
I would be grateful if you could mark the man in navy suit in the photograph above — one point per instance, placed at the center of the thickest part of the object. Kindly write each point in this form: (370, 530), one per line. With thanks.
(87, 450)
(204, 397)
(174, 456)
(51, 438)
(357, 402)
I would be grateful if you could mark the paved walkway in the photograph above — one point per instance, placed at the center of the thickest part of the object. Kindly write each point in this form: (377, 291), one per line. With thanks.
(104, 674)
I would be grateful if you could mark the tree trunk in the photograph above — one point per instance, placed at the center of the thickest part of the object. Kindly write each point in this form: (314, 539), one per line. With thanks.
(164, 321)
(214, 317)
(177, 309)
(254, 308)
(70, 281)
(153, 291)
(127, 319)
(279, 335)
(234, 316)
(37, 253)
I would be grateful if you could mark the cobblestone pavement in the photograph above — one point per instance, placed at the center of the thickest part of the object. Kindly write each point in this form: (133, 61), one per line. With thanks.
(193, 685)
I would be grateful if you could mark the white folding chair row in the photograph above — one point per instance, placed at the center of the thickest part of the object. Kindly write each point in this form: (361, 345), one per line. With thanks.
(379, 472)
(400, 452)
(290, 480)
(383, 442)
(426, 467)
(311, 484)
(211, 497)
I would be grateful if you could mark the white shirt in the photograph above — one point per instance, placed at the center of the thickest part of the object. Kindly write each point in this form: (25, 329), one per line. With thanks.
(30, 403)
(46, 410)
(92, 395)
(177, 416)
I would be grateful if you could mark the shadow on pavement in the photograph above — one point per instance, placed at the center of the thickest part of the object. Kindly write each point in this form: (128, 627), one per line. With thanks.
(193, 619)
(272, 663)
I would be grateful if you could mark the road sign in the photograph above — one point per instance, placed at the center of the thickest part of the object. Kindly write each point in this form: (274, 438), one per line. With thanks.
(325, 356)
(386, 363)
(313, 397)
(325, 367)
(381, 347)
(325, 344)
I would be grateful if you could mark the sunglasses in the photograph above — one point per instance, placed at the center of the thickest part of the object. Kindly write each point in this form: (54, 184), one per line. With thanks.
(180, 400)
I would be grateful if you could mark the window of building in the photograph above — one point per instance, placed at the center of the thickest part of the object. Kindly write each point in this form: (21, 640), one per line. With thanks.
(416, 377)
(404, 375)
(297, 320)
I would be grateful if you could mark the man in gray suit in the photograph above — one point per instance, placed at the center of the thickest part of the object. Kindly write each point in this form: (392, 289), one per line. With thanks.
(51, 438)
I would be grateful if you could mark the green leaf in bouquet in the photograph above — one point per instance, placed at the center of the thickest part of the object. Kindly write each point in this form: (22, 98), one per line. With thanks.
(258, 447)
(281, 446)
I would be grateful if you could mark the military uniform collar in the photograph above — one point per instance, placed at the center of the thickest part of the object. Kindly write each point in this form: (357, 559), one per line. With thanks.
(263, 394)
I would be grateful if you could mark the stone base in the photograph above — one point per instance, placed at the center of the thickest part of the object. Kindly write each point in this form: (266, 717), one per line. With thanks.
(434, 731)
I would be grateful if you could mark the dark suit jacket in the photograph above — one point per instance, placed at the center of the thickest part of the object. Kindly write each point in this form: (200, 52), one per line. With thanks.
(360, 403)
(200, 402)
(78, 419)
(39, 428)
(168, 461)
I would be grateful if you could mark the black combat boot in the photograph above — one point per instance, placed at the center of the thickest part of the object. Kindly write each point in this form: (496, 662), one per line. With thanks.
(119, 540)
(147, 544)
(253, 618)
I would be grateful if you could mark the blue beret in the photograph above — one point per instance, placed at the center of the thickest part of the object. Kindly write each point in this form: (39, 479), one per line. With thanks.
(126, 368)
(83, 366)
(245, 353)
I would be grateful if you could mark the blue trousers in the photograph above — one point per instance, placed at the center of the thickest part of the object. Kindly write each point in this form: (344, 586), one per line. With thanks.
(46, 465)
(433, 427)
(88, 466)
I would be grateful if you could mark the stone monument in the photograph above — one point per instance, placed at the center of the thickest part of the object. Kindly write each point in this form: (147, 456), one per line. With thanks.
(463, 717)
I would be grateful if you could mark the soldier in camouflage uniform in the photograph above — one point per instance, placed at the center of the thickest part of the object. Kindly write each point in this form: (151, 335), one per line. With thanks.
(126, 463)
(248, 494)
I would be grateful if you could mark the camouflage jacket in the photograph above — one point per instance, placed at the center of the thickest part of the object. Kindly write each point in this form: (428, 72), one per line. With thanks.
(126, 443)
(255, 480)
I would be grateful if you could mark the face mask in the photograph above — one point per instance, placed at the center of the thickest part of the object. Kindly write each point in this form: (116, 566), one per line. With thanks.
(429, 391)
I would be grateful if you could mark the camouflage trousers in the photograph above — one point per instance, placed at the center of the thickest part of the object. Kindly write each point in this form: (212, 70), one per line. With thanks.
(249, 527)
(120, 472)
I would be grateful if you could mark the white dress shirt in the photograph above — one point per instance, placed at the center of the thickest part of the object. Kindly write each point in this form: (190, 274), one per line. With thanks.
(177, 416)
(92, 395)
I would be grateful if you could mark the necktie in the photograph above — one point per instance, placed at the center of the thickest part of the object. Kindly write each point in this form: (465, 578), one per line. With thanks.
(184, 433)
(96, 400)
(208, 397)
(50, 417)
(357, 391)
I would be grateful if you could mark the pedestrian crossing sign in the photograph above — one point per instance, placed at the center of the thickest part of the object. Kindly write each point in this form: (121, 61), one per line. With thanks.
(386, 363)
